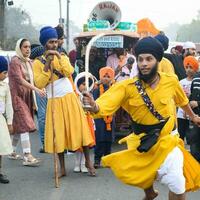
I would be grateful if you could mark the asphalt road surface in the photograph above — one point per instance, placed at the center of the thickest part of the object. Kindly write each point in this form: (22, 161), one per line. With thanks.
(37, 183)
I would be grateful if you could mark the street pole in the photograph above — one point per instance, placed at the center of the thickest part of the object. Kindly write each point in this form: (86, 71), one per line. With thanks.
(67, 27)
(2, 22)
(60, 13)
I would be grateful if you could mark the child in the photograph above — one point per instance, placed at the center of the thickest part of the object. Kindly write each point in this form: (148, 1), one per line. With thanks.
(6, 116)
(80, 158)
(103, 131)
(191, 67)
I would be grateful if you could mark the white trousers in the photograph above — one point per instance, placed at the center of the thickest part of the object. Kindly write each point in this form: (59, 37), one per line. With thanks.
(25, 142)
(170, 172)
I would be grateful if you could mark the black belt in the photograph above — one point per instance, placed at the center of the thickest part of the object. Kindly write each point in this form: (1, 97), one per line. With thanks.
(151, 137)
(58, 74)
(141, 128)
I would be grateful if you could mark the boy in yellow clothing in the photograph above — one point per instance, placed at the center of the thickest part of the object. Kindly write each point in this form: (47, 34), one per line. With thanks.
(154, 149)
(63, 107)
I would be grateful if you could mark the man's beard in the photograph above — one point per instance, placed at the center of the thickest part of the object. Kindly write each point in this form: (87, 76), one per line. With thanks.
(188, 53)
(51, 48)
(148, 77)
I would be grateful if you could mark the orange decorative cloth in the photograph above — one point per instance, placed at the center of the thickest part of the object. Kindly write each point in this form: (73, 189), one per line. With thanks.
(107, 119)
(91, 126)
(145, 26)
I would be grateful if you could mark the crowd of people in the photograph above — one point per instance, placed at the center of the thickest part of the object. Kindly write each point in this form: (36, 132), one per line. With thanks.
(140, 85)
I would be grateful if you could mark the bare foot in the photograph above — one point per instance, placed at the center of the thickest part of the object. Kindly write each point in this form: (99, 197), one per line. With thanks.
(91, 169)
(62, 175)
(151, 195)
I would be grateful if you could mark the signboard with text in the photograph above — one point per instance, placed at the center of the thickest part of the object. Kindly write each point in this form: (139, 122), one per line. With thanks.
(113, 41)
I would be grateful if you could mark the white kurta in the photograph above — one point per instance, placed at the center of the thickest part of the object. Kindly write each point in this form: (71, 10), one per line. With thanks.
(6, 116)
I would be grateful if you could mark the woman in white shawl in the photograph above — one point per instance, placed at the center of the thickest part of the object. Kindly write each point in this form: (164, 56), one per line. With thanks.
(23, 99)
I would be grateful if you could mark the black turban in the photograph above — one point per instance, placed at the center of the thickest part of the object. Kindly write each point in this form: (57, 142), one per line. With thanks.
(149, 45)
(82, 80)
(60, 31)
(37, 52)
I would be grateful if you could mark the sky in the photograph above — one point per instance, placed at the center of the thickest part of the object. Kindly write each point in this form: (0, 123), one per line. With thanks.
(161, 13)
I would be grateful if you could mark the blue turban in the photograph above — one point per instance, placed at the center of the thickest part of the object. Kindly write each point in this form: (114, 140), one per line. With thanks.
(163, 39)
(3, 64)
(47, 33)
(149, 45)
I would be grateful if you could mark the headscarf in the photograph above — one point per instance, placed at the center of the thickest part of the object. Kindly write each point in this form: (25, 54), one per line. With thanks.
(149, 45)
(27, 67)
(3, 64)
(192, 61)
(106, 70)
(47, 33)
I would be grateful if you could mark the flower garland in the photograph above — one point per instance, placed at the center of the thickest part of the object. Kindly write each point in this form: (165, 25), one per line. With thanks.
(107, 119)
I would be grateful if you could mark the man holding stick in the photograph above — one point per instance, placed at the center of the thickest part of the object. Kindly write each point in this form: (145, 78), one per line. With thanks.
(66, 125)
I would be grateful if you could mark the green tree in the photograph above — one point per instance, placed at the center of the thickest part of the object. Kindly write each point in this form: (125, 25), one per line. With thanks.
(198, 15)
(190, 32)
(171, 31)
(18, 24)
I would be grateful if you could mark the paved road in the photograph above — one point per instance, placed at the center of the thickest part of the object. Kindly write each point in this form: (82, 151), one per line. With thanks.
(28, 183)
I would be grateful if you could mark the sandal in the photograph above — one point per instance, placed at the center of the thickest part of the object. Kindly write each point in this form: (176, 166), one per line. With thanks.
(4, 179)
(15, 156)
(29, 160)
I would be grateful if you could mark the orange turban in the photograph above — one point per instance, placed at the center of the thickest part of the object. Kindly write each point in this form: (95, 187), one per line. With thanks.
(106, 70)
(192, 61)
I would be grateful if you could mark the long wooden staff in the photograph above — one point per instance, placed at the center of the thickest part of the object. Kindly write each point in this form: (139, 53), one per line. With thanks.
(55, 158)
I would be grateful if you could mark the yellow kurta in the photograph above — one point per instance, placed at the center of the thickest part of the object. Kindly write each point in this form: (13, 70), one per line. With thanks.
(71, 127)
(42, 78)
(131, 166)
(166, 66)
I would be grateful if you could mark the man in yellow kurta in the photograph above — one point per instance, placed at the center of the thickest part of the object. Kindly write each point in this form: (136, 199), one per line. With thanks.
(166, 159)
(66, 124)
